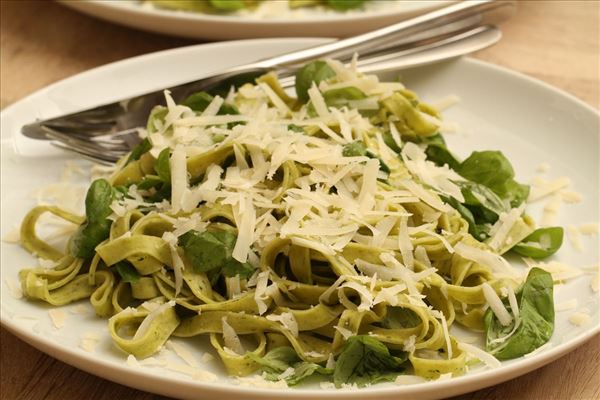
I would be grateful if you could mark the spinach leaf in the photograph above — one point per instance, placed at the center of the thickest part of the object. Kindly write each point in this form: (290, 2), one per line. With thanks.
(541, 243)
(295, 128)
(127, 272)
(96, 227)
(440, 156)
(315, 71)
(358, 148)
(365, 360)
(478, 230)
(278, 360)
(536, 314)
(162, 166)
(354, 149)
(227, 5)
(209, 251)
(492, 169)
(389, 141)
(516, 193)
(481, 196)
(200, 100)
(139, 150)
(305, 369)
(149, 182)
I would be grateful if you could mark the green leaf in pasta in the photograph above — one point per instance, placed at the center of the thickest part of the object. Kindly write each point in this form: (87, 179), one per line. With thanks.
(541, 243)
(162, 166)
(127, 272)
(315, 71)
(492, 169)
(149, 182)
(535, 322)
(365, 360)
(139, 150)
(358, 148)
(479, 231)
(212, 250)
(96, 227)
(200, 100)
(440, 155)
(278, 360)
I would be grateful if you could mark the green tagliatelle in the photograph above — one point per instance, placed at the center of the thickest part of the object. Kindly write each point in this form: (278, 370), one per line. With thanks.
(333, 234)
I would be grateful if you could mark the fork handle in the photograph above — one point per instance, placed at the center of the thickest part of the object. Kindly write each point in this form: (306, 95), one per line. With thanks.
(482, 12)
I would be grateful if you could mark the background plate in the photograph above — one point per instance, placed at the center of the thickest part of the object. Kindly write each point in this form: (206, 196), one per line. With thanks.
(529, 121)
(301, 22)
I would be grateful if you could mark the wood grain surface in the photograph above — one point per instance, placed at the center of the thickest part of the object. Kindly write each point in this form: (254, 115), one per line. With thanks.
(42, 42)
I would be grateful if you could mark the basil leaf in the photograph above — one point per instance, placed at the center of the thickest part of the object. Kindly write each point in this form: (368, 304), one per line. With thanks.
(365, 360)
(358, 148)
(492, 169)
(440, 155)
(305, 369)
(295, 128)
(204, 250)
(96, 227)
(208, 251)
(536, 314)
(162, 166)
(233, 268)
(516, 193)
(315, 71)
(343, 5)
(354, 149)
(278, 360)
(149, 182)
(139, 150)
(541, 243)
(200, 100)
(481, 196)
(127, 272)
(478, 230)
(389, 141)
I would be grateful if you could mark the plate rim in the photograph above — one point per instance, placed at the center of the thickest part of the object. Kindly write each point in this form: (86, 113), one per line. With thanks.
(122, 373)
(250, 19)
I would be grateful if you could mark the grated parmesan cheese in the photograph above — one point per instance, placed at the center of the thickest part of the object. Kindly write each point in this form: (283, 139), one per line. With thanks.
(231, 339)
(58, 318)
(496, 305)
(579, 318)
(288, 321)
(182, 352)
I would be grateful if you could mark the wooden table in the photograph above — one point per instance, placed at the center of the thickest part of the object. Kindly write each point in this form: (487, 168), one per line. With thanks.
(42, 42)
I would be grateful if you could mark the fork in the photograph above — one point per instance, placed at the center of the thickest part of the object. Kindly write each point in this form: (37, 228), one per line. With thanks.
(107, 132)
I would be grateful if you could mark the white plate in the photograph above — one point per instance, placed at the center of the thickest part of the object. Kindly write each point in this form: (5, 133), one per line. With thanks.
(301, 22)
(529, 121)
